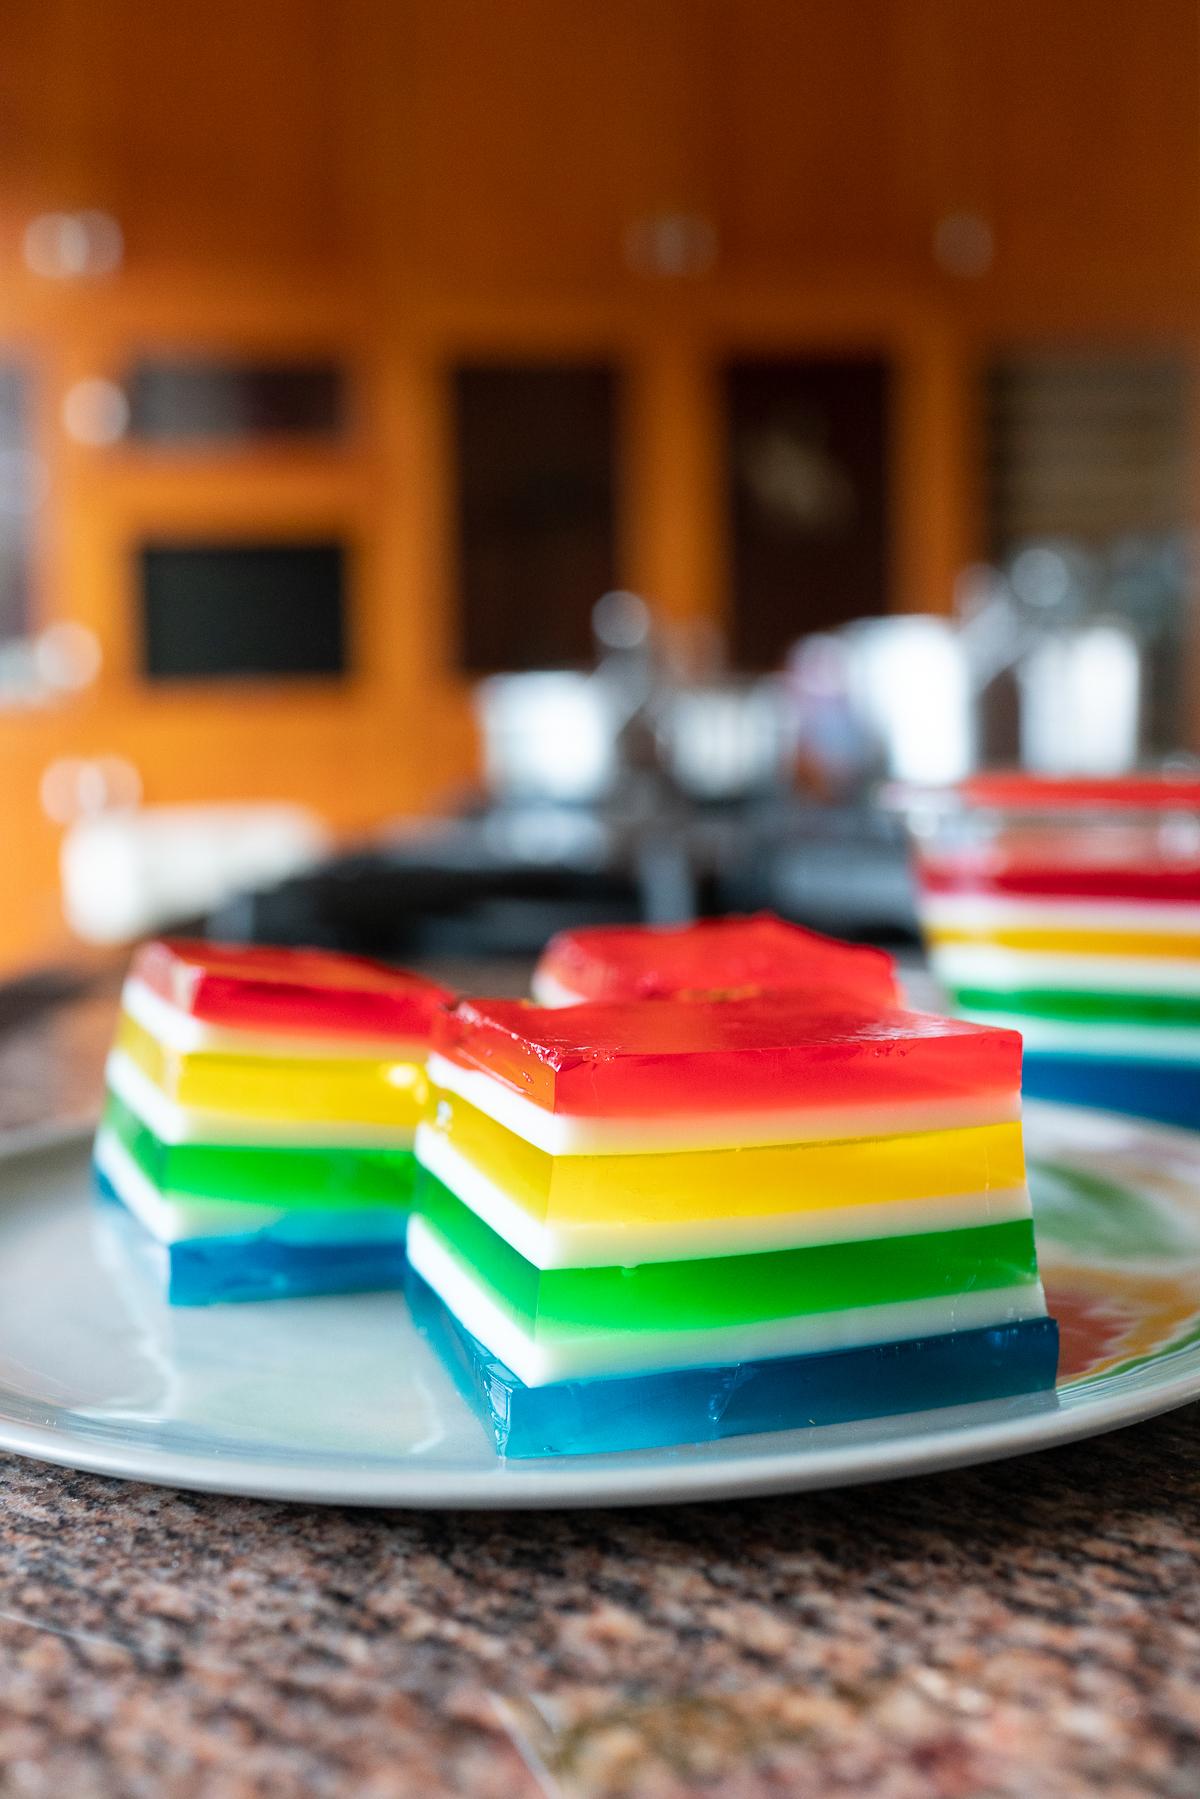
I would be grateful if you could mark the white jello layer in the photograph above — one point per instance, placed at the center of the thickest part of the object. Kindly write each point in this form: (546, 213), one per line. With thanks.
(633, 1352)
(179, 1030)
(173, 1123)
(603, 1245)
(990, 966)
(568, 1134)
(981, 912)
(176, 1218)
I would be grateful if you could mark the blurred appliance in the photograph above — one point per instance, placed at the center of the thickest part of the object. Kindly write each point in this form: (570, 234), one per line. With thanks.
(1062, 637)
(653, 787)
(910, 681)
(475, 887)
(563, 737)
(549, 736)
(728, 740)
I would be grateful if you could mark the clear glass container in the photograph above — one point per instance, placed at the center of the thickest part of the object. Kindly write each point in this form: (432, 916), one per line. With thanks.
(1070, 910)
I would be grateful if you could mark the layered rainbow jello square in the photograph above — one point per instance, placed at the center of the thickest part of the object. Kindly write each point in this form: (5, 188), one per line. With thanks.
(259, 1118)
(1070, 909)
(720, 955)
(643, 1224)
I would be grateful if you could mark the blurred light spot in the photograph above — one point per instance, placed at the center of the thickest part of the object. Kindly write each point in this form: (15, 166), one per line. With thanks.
(964, 244)
(404, 1074)
(65, 246)
(621, 620)
(671, 243)
(67, 656)
(1041, 577)
(95, 412)
(72, 788)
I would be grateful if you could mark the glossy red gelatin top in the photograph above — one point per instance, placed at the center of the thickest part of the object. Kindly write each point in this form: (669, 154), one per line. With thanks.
(300, 990)
(1034, 837)
(1016, 791)
(766, 1052)
(720, 955)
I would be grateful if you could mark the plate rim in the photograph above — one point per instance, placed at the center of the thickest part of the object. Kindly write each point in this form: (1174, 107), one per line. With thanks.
(579, 1483)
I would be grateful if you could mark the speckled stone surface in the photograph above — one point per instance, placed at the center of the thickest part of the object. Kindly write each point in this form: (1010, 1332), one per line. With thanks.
(1028, 1629)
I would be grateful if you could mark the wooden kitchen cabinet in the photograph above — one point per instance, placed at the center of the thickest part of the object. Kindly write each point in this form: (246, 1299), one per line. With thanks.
(1069, 130)
(531, 138)
(1055, 147)
(539, 144)
(213, 135)
(808, 136)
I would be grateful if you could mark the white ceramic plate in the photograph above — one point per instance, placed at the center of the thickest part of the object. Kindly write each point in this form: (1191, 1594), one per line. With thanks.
(339, 1400)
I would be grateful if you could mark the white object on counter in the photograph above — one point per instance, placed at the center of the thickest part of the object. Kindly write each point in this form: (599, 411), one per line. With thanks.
(550, 735)
(1081, 701)
(910, 682)
(129, 872)
(725, 740)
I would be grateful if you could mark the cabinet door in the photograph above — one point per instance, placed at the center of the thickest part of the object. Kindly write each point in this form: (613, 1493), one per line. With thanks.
(1073, 131)
(807, 500)
(213, 134)
(807, 122)
(533, 137)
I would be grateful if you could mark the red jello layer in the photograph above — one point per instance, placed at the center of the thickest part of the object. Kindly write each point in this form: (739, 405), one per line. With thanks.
(725, 955)
(1164, 885)
(1014, 790)
(766, 1052)
(301, 990)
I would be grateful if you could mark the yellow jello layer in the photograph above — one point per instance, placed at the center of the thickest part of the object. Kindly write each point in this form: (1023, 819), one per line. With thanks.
(1069, 941)
(719, 1185)
(341, 1090)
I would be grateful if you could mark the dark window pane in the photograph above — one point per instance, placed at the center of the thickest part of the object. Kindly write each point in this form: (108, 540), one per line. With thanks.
(225, 609)
(807, 460)
(185, 399)
(535, 453)
(16, 502)
(1087, 446)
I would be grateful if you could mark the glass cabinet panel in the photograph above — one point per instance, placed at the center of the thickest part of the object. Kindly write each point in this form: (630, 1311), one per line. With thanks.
(220, 610)
(194, 399)
(535, 451)
(806, 460)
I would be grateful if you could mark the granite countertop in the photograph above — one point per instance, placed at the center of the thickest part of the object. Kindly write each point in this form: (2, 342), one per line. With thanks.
(1030, 1628)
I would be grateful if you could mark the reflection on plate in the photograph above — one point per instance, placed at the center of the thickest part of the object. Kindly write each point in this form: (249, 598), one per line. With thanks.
(339, 1400)
(1118, 1212)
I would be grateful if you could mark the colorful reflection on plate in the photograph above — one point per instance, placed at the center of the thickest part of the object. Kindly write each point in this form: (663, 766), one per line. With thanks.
(1118, 1218)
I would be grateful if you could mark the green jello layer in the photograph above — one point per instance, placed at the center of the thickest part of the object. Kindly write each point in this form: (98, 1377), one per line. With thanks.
(1082, 1008)
(730, 1290)
(267, 1175)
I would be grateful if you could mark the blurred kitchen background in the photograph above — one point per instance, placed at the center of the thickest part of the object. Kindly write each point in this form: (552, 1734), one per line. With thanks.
(472, 466)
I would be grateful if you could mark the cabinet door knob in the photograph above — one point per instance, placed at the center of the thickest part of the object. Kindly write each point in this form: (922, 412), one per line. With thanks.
(671, 244)
(964, 245)
(71, 246)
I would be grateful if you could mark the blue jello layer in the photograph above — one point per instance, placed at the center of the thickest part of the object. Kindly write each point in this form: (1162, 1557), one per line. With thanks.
(200, 1271)
(1166, 1090)
(700, 1405)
